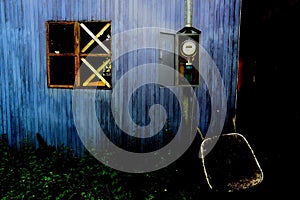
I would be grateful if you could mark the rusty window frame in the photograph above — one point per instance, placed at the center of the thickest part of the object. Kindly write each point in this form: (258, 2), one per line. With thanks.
(73, 75)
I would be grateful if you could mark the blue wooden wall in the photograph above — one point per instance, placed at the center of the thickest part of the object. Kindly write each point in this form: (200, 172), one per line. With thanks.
(28, 106)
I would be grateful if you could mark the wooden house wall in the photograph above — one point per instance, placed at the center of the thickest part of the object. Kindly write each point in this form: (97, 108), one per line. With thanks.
(28, 106)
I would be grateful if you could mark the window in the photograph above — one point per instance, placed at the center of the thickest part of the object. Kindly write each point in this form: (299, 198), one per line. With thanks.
(79, 54)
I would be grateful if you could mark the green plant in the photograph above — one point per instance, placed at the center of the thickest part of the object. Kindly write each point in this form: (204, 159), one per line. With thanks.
(60, 175)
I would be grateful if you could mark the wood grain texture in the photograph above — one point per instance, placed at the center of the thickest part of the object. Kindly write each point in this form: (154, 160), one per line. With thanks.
(28, 106)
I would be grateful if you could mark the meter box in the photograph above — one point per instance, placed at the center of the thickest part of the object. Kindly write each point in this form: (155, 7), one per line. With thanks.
(180, 51)
(187, 57)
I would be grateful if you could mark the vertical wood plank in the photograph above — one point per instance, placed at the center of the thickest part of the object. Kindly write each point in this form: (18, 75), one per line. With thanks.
(27, 106)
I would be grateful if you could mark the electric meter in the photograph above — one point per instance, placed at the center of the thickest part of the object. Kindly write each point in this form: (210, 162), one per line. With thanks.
(188, 47)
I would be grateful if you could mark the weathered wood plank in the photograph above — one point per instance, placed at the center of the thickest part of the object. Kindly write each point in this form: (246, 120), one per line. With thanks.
(27, 106)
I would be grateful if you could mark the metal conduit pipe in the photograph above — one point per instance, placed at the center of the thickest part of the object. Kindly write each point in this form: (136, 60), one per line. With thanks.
(188, 11)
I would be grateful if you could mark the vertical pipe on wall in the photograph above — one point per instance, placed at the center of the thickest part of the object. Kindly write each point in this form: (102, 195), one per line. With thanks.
(188, 9)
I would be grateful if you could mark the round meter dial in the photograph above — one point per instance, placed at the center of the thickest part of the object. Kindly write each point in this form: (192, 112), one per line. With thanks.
(188, 48)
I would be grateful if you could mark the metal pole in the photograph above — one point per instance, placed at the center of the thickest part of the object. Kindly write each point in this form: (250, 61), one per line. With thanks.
(188, 5)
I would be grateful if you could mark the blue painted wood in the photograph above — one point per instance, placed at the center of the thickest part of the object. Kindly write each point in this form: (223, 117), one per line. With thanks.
(27, 106)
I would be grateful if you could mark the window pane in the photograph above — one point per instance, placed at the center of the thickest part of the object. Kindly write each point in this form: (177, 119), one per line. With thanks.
(61, 38)
(62, 70)
(86, 46)
(101, 64)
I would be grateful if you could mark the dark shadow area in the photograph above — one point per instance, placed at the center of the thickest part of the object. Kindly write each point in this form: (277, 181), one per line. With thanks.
(268, 104)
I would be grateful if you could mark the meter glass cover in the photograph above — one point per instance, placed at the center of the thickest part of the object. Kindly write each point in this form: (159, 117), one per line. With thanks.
(188, 48)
